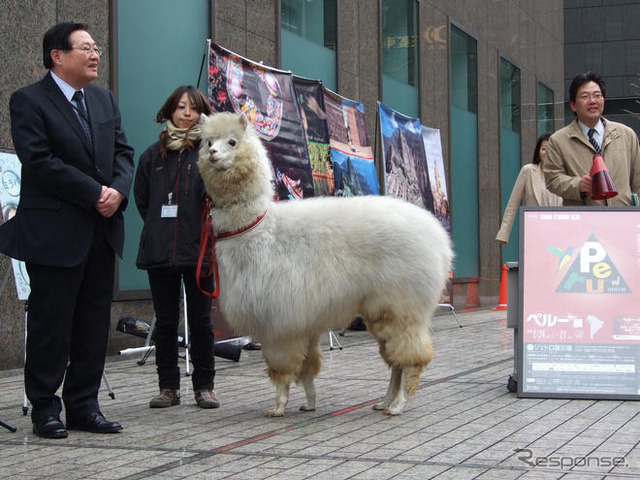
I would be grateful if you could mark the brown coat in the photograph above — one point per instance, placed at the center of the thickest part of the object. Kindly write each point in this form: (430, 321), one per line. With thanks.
(570, 156)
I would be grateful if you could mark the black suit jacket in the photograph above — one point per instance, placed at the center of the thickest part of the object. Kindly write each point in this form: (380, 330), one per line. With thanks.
(62, 176)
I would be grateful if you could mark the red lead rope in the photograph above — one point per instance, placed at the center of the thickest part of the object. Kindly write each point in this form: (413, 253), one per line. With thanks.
(207, 239)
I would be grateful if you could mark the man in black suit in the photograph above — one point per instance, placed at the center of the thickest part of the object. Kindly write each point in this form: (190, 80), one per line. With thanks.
(77, 170)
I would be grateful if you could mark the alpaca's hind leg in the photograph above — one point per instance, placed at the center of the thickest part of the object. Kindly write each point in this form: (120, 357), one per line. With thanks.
(409, 381)
(392, 391)
(310, 393)
(282, 398)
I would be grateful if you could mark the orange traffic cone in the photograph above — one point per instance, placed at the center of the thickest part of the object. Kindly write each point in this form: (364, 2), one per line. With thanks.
(502, 301)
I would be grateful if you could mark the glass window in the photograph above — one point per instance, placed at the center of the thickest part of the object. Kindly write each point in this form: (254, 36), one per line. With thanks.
(510, 145)
(314, 20)
(509, 96)
(399, 41)
(144, 83)
(309, 39)
(465, 225)
(464, 71)
(545, 109)
(400, 78)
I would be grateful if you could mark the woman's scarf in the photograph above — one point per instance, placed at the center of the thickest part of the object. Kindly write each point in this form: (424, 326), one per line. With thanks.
(181, 138)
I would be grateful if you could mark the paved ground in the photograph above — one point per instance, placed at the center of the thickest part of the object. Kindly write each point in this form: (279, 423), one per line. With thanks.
(462, 423)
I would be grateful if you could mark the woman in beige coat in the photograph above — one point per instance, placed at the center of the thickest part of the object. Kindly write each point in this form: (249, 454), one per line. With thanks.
(529, 189)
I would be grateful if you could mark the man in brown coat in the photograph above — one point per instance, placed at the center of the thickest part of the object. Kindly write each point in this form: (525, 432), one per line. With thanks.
(570, 152)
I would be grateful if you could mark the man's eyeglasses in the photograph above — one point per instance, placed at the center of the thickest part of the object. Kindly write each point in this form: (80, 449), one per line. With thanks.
(587, 96)
(88, 50)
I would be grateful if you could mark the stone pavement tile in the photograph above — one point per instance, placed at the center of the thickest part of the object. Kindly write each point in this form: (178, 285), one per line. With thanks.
(460, 473)
(549, 475)
(422, 472)
(382, 453)
(345, 469)
(382, 471)
(305, 470)
(492, 455)
(423, 453)
(503, 474)
(453, 456)
(355, 449)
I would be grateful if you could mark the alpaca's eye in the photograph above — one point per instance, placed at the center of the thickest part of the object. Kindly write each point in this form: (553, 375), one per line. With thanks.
(210, 143)
(232, 142)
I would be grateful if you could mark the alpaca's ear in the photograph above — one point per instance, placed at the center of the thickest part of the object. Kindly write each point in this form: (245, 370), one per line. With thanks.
(203, 118)
(243, 121)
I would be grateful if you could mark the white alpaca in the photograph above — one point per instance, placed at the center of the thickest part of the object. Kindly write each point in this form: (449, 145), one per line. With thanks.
(312, 265)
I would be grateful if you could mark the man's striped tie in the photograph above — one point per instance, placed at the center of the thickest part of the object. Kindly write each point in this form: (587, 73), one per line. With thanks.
(593, 141)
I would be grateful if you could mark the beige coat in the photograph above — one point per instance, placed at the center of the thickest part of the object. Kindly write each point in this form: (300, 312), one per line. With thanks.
(529, 190)
(570, 156)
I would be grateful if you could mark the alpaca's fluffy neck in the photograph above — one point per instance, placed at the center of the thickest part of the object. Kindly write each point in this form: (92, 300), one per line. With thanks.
(235, 214)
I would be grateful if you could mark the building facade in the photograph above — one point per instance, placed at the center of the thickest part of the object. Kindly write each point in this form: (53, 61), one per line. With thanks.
(603, 37)
(488, 75)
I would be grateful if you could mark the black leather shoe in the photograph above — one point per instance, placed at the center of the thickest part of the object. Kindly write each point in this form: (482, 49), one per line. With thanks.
(94, 423)
(50, 427)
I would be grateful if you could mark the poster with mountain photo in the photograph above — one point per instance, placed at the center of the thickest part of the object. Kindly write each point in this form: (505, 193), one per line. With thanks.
(405, 163)
(437, 178)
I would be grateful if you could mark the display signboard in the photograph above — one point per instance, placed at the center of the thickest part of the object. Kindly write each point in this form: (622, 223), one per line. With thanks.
(579, 285)
(10, 171)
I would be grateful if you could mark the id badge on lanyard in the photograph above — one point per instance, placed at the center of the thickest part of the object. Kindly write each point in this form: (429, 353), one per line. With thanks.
(169, 210)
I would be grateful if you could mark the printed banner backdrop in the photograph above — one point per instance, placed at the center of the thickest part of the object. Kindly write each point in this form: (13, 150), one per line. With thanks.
(580, 326)
(314, 119)
(353, 165)
(10, 182)
(267, 98)
(405, 161)
(437, 178)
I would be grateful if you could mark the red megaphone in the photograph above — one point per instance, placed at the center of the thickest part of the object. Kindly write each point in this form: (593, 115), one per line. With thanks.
(602, 186)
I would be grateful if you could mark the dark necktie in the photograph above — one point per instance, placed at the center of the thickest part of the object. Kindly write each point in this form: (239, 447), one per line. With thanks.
(594, 141)
(82, 114)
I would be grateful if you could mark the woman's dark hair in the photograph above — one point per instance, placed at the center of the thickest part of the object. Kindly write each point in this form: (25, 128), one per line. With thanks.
(57, 38)
(165, 113)
(583, 78)
(536, 151)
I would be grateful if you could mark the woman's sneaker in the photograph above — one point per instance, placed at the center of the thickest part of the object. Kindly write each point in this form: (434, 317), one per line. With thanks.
(167, 398)
(207, 398)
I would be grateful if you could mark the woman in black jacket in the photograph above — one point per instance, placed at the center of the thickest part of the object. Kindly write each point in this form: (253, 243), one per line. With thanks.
(170, 197)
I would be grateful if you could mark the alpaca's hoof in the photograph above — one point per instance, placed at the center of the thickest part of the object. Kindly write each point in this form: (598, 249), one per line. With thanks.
(379, 406)
(273, 413)
(394, 409)
(304, 408)
(390, 411)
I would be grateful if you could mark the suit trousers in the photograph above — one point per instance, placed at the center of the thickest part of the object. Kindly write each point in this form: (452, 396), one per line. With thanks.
(68, 320)
(166, 291)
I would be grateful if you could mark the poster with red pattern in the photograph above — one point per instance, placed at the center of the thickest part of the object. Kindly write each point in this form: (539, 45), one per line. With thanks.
(267, 98)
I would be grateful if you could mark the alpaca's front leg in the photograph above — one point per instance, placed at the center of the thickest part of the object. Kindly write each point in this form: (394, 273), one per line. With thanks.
(282, 397)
